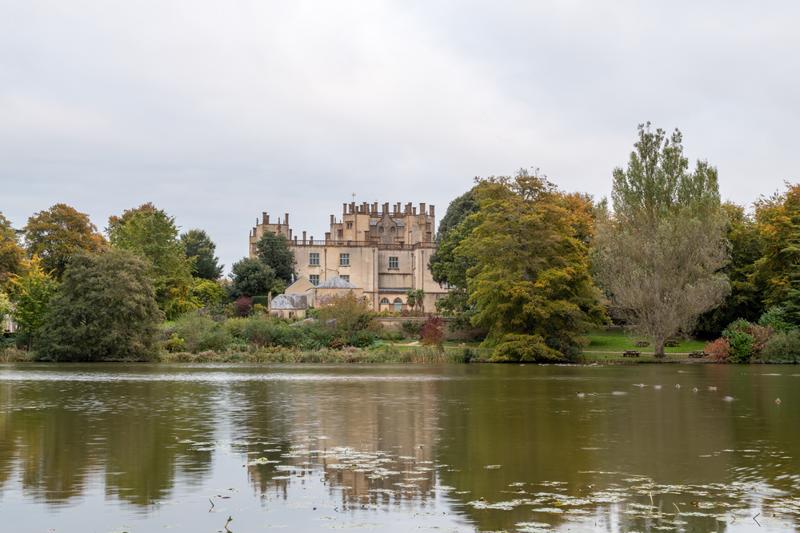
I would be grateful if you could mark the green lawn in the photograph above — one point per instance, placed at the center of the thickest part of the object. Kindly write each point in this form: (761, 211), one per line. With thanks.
(619, 341)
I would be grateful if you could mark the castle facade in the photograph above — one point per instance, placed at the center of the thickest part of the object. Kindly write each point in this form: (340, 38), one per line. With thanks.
(383, 251)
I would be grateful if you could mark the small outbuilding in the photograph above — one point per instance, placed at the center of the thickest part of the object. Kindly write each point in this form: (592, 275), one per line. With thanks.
(293, 306)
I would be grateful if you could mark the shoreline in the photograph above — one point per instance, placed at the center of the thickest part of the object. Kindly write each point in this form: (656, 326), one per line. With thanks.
(380, 355)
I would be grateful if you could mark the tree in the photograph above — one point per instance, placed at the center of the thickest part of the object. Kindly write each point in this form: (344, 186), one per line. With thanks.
(199, 248)
(415, 298)
(273, 250)
(31, 293)
(6, 308)
(745, 300)
(209, 293)
(458, 210)
(152, 235)
(778, 220)
(105, 309)
(57, 234)
(449, 268)
(11, 253)
(659, 256)
(251, 277)
(529, 279)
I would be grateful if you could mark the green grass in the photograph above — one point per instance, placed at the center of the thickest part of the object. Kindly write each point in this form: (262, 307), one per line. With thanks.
(608, 345)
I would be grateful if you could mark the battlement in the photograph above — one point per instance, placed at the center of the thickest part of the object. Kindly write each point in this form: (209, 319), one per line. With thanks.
(366, 224)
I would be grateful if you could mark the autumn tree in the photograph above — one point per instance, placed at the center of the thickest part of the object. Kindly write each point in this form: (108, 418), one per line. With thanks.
(778, 220)
(529, 278)
(199, 248)
(58, 233)
(273, 250)
(31, 292)
(105, 309)
(660, 254)
(11, 253)
(152, 235)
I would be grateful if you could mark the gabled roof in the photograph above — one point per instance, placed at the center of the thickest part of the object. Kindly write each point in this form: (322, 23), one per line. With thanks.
(289, 301)
(336, 283)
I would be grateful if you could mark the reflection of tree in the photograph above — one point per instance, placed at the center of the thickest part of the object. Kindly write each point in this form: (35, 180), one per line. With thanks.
(61, 433)
(540, 431)
(344, 430)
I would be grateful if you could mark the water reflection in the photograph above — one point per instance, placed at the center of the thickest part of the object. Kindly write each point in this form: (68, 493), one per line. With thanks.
(393, 448)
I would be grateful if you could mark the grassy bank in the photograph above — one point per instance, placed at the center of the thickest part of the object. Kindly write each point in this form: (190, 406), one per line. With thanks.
(607, 346)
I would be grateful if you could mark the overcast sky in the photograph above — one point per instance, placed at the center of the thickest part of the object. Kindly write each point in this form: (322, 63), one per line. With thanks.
(218, 110)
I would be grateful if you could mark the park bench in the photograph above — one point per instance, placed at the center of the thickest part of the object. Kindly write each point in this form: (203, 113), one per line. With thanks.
(631, 353)
(699, 354)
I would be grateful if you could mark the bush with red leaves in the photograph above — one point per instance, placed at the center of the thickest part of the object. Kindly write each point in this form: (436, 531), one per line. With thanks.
(719, 350)
(432, 332)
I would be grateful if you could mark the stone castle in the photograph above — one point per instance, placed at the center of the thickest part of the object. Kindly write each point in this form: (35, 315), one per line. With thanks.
(381, 252)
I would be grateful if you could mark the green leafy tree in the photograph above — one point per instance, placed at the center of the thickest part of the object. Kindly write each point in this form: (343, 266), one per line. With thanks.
(273, 250)
(458, 210)
(58, 233)
(778, 220)
(105, 309)
(450, 268)
(11, 253)
(529, 281)
(199, 248)
(210, 294)
(152, 235)
(660, 255)
(745, 300)
(251, 277)
(31, 293)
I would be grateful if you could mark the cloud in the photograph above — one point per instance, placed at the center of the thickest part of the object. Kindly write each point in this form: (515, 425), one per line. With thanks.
(217, 110)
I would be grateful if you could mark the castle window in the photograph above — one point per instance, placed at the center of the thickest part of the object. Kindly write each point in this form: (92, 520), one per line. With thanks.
(314, 279)
(394, 263)
(313, 259)
(344, 260)
(349, 225)
(398, 305)
(339, 234)
(345, 277)
(384, 301)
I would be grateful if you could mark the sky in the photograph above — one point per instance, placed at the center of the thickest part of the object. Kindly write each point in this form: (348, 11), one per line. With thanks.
(218, 110)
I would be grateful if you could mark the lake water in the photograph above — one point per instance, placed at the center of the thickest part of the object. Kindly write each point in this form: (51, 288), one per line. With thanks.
(148, 448)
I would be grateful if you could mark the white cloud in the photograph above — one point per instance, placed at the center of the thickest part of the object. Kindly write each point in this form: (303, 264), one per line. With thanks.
(218, 110)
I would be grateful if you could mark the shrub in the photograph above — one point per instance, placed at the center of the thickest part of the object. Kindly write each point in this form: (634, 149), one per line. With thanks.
(200, 333)
(782, 347)
(361, 339)
(411, 327)
(741, 344)
(243, 306)
(775, 318)
(432, 332)
(515, 347)
(719, 350)
(175, 344)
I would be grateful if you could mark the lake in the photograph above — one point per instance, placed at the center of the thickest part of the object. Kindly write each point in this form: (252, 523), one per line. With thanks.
(144, 448)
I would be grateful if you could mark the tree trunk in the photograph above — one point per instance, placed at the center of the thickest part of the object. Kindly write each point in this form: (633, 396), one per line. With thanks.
(659, 348)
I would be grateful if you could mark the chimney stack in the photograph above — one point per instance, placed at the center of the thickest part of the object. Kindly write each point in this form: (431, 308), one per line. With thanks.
(286, 219)
(333, 220)
(432, 210)
(422, 208)
(304, 236)
(385, 208)
(408, 208)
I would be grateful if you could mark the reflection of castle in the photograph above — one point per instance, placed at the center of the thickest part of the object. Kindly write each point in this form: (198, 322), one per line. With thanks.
(384, 252)
(373, 451)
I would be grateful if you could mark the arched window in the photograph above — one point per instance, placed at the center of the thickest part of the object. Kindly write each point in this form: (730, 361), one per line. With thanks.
(398, 304)
(384, 301)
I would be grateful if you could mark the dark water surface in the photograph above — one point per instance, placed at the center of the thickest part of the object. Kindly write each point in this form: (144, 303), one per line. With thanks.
(147, 448)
